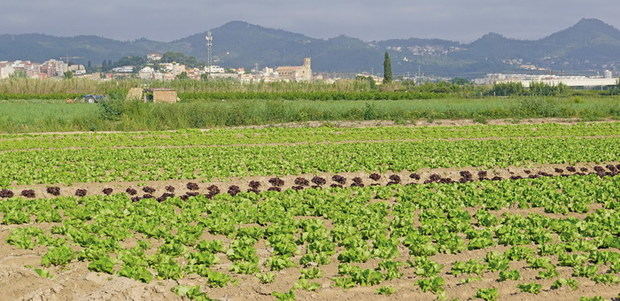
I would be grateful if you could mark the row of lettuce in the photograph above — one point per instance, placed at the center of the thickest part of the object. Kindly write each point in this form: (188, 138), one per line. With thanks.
(325, 134)
(209, 163)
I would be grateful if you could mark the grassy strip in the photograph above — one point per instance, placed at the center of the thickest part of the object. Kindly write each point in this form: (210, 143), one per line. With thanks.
(125, 116)
(316, 95)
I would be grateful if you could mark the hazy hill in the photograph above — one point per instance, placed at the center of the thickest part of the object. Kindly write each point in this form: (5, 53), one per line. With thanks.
(589, 46)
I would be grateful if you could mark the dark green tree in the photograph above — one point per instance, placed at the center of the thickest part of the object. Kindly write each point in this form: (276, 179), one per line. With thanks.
(387, 69)
(182, 76)
(68, 75)
(177, 57)
(18, 74)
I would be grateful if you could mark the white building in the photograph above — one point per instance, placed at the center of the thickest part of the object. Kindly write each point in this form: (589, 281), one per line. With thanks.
(526, 80)
(123, 69)
(173, 69)
(6, 69)
(608, 74)
(54, 68)
(77, 69)
(214, 69)
(154, 57)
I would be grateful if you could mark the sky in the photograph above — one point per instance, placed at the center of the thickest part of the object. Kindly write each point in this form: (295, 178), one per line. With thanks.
(166, 20)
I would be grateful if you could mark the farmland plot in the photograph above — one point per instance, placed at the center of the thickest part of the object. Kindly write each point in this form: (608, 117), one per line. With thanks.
(523, 212)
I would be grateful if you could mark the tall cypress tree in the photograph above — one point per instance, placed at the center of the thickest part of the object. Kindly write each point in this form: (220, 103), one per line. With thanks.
(387, 69)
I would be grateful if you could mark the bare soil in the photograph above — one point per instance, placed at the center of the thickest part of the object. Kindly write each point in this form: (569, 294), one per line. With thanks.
(75, 282)
(378, 123)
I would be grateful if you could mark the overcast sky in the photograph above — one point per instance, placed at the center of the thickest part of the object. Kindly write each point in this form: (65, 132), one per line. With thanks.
(165, 20)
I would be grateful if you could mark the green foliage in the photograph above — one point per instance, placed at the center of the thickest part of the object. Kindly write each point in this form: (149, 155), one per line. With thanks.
(487, 294)
(426, 267)
(563, 282)
(25, 238)
(595, 298)
(245, 267)
(307, 285)
(278, 263)
(467, 267)
(434, 284)
(267, 277)
(387, 69)
(386, 290)
(535, 89)
(606, 279)
(507, 89)
(43, 273)
(532, 288)
(217, 279)
(273, 228)
(285, 296)
(103, 264)
(509, 275)
(178, 57)
(191, 292)
(136, 272)
(182, 76)
(60, 255)
(311, 273)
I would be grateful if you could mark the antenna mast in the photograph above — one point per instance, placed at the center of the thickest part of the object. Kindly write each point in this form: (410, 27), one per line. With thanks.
(209, 39)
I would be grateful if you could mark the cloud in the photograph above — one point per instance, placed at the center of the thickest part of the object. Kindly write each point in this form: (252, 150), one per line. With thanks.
(369, 20)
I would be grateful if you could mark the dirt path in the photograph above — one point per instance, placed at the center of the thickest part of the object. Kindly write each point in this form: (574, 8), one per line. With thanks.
(426, 175)
(366, 123)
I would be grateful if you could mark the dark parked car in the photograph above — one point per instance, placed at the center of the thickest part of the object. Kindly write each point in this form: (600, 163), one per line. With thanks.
(91, 98)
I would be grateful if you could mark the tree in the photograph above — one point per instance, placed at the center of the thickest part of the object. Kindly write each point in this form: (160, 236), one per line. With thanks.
(68, 75)
(182, 76)
(387, 69)
(18, 74)
(460, 81)
(177, 57)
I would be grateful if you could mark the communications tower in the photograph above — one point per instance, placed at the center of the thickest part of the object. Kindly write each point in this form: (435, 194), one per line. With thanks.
(209, 39)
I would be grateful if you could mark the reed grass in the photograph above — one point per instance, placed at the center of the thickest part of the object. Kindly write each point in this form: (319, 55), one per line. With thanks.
(48, 115)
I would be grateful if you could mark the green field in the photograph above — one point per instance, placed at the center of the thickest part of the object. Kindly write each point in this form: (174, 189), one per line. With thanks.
(314, 212)
(220, 154)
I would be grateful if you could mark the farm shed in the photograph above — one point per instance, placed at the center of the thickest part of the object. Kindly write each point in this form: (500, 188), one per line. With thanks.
(161, 95)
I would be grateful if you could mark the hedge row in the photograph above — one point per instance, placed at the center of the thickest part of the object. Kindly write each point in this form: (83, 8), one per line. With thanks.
(327, 95)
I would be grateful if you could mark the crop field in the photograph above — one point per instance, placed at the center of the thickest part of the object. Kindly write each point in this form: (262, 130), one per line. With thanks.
(476, 212)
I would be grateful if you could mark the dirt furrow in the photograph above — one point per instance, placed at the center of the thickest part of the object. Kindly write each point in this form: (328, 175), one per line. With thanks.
(189, 187)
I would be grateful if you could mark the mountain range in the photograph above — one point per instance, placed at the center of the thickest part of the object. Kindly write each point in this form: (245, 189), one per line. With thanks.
(587, 47)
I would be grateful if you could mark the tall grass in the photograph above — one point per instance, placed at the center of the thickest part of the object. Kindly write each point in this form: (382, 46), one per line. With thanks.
(127, 115)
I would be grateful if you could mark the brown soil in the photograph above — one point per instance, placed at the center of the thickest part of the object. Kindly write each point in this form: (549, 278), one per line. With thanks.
(180, 186)
(75, 282)
(379, 123)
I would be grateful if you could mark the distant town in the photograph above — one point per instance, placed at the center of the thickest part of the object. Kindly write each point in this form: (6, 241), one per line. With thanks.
(154, 68)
